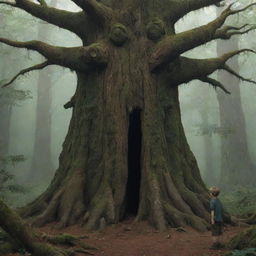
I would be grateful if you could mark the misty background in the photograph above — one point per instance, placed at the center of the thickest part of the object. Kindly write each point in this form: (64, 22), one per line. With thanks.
(34, 122)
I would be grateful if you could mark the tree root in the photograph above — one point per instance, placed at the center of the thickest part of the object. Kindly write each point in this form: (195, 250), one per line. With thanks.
(23, 237)
(8, 245)
(68, 240)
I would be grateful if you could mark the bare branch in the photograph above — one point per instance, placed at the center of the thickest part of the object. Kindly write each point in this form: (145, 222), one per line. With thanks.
(228, 31)
(97, 11)
(243, 9)
(229, 55)
(214, 83)
(70, 103)
(72, 21)
(76, 58)
(172, 46)
(183, 7)
(24, 71)
(184, 70)
(232, 72)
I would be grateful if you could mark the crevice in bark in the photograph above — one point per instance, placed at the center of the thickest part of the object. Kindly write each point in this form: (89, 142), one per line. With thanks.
(134, 163)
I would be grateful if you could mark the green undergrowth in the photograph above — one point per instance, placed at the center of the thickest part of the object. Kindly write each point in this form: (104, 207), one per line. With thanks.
(245, 252)
(244, 239)
(35, 189)
(240, 202)
(8, 182)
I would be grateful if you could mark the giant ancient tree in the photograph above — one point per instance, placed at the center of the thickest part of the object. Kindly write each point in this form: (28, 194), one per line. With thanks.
(126, 152)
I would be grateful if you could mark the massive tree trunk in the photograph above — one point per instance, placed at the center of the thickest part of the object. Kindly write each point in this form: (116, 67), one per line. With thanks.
(125, 151)
(42, 165)
(91, 182)
(237, 167)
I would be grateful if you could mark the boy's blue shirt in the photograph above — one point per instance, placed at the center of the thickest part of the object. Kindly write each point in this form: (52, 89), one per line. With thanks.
(216, 206)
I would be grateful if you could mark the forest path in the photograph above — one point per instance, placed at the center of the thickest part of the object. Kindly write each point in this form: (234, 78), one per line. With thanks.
(139, 239)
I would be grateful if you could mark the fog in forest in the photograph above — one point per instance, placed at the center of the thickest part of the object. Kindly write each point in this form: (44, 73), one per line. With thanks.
(34, 121)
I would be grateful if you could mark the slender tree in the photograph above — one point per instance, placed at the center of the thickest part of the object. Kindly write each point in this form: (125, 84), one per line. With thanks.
(5, 115)
(42, 166)
(210, 168)
(128, 70)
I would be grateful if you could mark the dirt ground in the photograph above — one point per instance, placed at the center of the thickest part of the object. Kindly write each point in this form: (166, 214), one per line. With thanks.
(139, 239)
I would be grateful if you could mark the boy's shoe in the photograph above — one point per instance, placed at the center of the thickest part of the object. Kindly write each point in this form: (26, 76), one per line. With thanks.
(214, 246)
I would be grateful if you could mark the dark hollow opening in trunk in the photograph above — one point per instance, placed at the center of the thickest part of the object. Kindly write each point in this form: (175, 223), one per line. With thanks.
(134, 163)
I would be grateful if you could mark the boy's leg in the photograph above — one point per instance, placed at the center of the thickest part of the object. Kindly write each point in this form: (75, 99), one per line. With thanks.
(220, 237)
(215, 235)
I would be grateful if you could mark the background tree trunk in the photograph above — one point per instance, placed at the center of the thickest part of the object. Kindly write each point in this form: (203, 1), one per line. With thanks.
(42, 165)
(210, 168)
(236, 164)
(5, 115)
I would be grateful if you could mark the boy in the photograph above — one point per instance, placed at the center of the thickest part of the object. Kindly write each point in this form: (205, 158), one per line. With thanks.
(216, 218)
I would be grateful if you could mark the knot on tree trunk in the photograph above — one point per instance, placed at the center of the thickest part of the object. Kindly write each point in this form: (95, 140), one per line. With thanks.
(96, 54)
(118, 34)
(155, 29)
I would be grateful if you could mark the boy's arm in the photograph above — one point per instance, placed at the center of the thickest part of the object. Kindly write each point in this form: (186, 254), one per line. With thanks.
(212, 217)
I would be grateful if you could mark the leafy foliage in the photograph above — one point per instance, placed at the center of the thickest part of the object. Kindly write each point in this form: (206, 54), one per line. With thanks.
(7, 180)
(10, 96)
(212, 129)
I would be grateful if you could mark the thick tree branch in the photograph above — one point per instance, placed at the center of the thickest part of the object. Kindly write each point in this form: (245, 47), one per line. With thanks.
(24, 71)
(72, 21)
(8, 3)
(183, 7)
(214, 83)
(75, 58)
(184, 70)
(97, 11)
(174, 45)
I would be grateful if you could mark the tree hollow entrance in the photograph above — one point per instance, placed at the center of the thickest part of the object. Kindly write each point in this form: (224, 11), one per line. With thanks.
(134, 163)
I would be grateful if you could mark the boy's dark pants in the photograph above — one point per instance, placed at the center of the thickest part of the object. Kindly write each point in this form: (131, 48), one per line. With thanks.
(217, 228)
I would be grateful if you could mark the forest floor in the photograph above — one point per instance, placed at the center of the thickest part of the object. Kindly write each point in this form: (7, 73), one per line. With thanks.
(140, 239)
